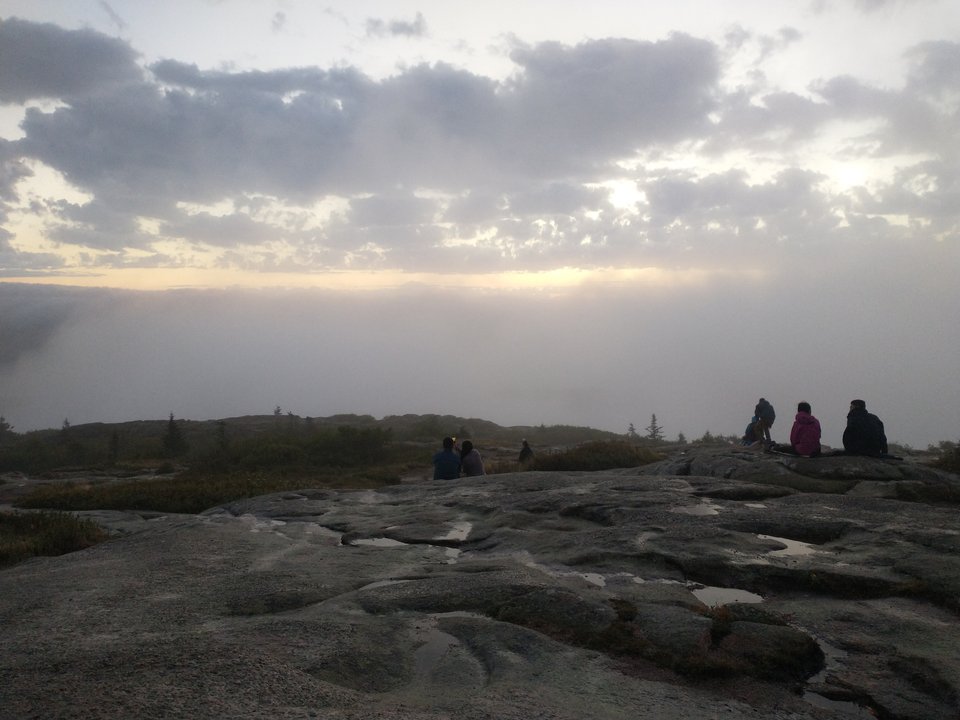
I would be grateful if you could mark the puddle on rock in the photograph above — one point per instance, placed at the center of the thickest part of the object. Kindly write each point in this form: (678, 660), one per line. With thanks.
(378, 542)
(759, 506)
(381, 583)
(794, 548)
(849, 709)
(460, 531)
(712, 596)
(702, 509)
(451, 554)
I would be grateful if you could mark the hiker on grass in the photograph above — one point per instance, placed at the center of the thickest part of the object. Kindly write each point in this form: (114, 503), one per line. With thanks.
(446, 463)
(864, 434)
(526, 454)
(765, 417)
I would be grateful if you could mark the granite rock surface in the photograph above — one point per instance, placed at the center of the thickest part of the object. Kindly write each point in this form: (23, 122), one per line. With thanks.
(715, 584)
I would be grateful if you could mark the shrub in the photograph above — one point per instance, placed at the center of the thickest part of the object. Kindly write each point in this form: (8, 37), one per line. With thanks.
(949, 459)
(24, 535)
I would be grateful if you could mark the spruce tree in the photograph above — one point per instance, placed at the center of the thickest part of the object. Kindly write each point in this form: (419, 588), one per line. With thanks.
(174, 443)
(654, 431)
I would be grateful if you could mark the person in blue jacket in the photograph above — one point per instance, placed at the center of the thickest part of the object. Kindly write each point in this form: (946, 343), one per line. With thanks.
(446, 463)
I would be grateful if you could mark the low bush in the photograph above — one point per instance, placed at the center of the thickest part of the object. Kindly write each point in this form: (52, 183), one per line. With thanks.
(949, 459)
(24, 535)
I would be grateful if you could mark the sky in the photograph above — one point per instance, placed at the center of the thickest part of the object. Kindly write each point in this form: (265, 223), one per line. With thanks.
(527, 212)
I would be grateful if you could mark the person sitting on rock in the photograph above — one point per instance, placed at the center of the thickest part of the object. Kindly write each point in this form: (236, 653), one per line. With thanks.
(805, 433)
(750, 436)
(864, 434)
(470, 460)
(446, 463)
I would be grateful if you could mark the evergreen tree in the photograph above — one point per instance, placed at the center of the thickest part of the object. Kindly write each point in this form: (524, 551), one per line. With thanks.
(113, 450)
(174, 443)
(632, 432)
(654, 431)
(681, 439)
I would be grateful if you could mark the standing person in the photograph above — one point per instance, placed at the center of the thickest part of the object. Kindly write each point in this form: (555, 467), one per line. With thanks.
(805, 433)
(765, 417)
(446, 463)
(470, 460)
(864, 434)
(526, 454)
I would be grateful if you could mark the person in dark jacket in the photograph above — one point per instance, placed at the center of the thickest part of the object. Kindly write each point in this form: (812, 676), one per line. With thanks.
(446, 463)
(864, 434)
(526, 454)
(765, 417)
(470, 460)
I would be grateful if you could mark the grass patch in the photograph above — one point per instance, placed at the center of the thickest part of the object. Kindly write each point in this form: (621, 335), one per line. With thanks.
(597, 455)
(188, 493)
(25, 535)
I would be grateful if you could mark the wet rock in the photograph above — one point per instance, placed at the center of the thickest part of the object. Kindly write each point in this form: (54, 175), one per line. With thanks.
(561, 595)
(774, 652)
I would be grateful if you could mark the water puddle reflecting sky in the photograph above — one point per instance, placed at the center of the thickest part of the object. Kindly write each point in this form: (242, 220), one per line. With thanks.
(712, 596)
(702, 509)
(794, 548)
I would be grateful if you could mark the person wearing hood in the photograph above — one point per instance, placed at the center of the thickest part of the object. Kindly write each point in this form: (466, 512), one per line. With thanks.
(864, 434)
(805, 433)
(470, 460)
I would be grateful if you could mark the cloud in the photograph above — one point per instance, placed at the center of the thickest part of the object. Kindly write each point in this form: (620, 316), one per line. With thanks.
(440, 167)
(40, 61)
(397, 28)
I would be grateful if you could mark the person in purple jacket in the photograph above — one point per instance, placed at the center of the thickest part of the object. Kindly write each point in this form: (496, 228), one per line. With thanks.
(805, 433)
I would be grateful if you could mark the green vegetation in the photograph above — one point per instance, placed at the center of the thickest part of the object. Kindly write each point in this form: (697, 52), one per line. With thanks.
(597, 455)
(25, 535)
(182, 466)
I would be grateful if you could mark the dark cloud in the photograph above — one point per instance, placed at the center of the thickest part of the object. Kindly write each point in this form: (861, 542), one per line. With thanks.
(440, 164)
(227, 230)
(936, 69)
(45, 61)
(603, 99)
(31, 315)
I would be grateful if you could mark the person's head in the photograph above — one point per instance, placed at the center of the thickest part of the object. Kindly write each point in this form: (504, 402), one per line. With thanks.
(525, 443)
(466, 447)
(803, 407)
(858, 405)
(448, 443)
